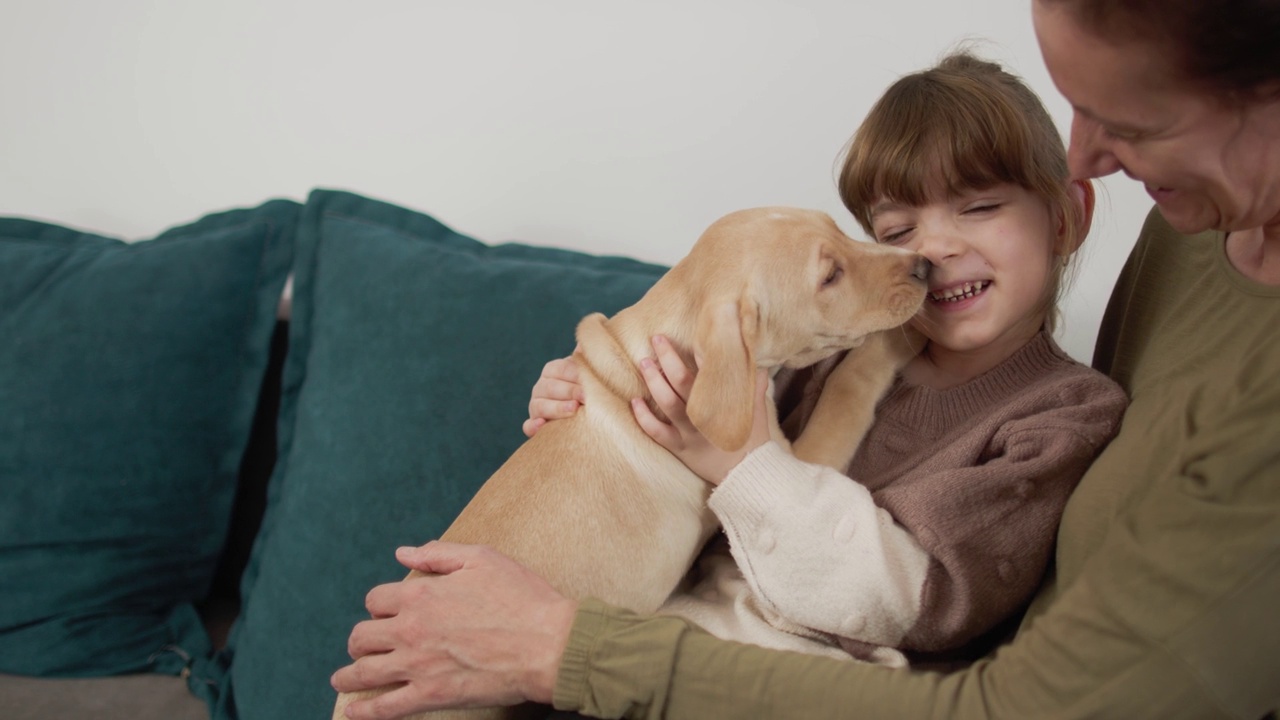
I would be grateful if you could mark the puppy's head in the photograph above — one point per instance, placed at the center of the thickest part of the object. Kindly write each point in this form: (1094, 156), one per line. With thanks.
(784, 287)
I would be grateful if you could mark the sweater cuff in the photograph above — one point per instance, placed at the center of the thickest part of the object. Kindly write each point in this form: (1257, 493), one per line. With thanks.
(757, 485)
(575, 664)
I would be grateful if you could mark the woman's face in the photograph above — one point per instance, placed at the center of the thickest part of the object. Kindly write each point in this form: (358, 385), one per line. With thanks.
(1206, 163)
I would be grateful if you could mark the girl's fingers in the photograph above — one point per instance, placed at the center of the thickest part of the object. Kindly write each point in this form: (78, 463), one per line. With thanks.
(532, 425)
(561, 369)
(678, 374)
(551, 409)
(658, 431)
(555, 389)
(555, 396)
(664, 396)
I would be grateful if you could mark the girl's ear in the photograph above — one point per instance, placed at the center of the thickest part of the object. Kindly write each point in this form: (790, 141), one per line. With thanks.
(1071, 235)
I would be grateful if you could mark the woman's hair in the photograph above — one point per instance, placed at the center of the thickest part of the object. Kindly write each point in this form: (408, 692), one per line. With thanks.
(1228, 47)
(965, 124)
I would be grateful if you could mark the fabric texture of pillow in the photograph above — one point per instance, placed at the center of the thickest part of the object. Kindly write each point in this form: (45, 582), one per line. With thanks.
(129, 373)
(412, 351)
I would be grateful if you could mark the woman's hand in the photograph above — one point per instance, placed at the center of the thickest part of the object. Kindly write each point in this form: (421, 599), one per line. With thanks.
(669, 381)
(555, 396)
(479, 630)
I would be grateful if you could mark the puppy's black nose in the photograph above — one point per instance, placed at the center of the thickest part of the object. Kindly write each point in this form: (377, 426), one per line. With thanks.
(920, 270)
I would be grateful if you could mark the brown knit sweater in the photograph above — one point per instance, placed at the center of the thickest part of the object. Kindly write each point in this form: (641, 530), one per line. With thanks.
(951, 523)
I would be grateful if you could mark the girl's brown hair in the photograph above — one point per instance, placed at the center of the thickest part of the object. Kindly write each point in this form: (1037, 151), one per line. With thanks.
(964, 124)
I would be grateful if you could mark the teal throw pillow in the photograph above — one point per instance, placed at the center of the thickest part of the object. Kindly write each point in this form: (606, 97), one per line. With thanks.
(412, 353)
(129, 373)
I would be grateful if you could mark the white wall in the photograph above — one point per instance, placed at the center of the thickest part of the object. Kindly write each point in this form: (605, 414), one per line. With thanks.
(611, 127)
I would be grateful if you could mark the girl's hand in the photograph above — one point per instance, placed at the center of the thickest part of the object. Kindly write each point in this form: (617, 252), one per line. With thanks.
(669, 381)
(555, 396)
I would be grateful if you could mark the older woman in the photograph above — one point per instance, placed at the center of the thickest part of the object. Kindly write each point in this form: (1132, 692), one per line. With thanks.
(1164, 600)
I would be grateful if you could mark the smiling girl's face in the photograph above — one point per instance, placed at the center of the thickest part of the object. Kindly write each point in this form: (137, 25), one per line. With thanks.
(993, 263)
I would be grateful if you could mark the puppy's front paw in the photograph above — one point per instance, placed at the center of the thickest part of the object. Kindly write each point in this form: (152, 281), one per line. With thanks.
(892, 348)
(905, 342)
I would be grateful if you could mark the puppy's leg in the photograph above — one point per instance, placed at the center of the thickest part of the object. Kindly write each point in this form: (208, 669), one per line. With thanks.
(846, 407)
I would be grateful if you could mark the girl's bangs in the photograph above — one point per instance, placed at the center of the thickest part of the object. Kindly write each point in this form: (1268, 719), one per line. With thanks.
(943, 157)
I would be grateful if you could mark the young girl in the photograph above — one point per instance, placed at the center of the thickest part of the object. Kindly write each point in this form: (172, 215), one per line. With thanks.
(949, 523)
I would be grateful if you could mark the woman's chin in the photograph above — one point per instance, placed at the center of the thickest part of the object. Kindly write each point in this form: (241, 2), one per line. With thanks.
(1185, 217)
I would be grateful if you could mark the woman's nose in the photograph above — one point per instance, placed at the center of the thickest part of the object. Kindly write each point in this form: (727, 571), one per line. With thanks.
(1089, 154)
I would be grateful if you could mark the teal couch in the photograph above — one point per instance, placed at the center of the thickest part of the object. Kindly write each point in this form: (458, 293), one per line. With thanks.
(200, 487)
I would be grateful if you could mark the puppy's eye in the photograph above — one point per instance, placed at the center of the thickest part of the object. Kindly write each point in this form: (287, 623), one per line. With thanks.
(833, 276)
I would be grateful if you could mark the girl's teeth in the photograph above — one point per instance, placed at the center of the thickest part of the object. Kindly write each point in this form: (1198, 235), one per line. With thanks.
(956, 294)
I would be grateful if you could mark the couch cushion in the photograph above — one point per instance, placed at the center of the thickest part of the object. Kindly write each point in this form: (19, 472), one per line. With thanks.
(129, 373)
(412, 352)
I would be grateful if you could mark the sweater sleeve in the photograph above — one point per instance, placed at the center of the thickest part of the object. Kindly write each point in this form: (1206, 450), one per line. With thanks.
(817, 551)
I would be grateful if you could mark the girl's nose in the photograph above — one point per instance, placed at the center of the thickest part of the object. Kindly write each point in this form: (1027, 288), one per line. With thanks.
(937, 244)
(1089, 155)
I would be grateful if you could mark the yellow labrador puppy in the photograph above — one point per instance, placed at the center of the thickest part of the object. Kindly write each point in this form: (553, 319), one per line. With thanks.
(597, 508)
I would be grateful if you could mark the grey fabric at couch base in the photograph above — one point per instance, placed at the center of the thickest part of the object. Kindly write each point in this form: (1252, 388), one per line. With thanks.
(126, 697)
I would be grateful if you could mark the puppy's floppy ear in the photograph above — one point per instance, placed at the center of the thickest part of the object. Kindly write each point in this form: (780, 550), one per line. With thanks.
(722, 402)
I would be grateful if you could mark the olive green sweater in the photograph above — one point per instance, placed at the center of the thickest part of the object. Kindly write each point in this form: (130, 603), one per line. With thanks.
(1166, 598)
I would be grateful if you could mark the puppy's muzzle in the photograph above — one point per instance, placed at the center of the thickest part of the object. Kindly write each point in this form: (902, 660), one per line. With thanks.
(920, 270)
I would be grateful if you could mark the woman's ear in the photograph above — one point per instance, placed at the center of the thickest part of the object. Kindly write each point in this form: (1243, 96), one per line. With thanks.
(1071, 235)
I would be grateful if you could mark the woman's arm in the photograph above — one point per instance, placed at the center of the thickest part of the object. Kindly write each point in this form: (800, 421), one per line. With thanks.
(1171, 614)
(508, 630)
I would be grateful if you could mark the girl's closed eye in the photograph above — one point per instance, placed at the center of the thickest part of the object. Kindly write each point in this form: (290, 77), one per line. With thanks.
(982, 207)
(894, 237)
